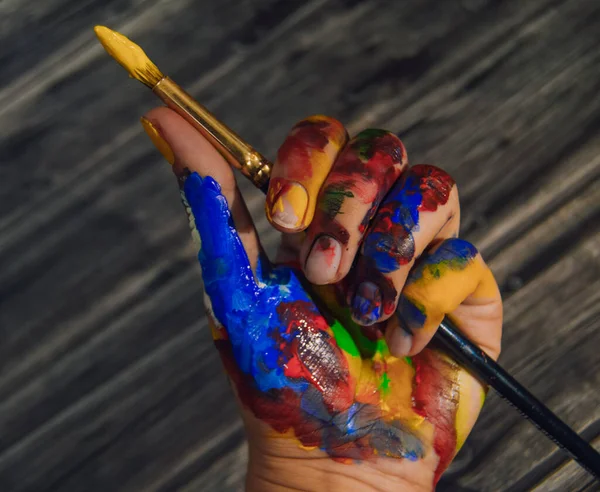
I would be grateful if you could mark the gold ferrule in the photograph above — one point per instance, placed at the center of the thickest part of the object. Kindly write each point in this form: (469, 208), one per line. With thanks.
(235, 151)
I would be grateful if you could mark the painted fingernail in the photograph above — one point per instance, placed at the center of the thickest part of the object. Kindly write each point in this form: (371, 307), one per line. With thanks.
(366, 305)
(289, 208)
(399, 342)
(323, 260)
(159, 142)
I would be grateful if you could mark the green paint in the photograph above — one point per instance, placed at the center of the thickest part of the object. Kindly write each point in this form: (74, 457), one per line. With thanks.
(458, 263)
(381, 347)
(350, 338)
(344, 340)
(384, 385)
(366, 348)
(333, 198)
(364, 142)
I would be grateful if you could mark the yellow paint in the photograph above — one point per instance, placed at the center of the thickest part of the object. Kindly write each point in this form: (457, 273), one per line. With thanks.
(307, 448)
(444, 293)
(470, 400)
(463, 411)
(287, 436)
(290, 206)
(159, 142)
(397, 402)
(320, 161)
(487, 288)
(131, 57)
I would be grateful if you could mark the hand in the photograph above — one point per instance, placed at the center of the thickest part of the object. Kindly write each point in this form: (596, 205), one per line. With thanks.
(329, 348)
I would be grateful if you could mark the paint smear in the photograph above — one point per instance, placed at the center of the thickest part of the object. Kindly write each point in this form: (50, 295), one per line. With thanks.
(300, 370)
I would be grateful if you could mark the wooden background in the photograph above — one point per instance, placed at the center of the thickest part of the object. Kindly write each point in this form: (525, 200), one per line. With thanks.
(108, 377)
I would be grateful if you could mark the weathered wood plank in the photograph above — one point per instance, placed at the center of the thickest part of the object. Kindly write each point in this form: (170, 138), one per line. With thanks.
(569, 477)
(108, 381)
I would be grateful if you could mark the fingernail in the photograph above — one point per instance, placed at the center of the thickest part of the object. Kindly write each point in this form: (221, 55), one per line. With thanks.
(159, 142)
(323, 260)
(399, 342)
(366, 305)
(290, 206)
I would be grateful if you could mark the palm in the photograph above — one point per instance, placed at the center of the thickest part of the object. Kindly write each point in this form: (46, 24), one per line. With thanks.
(298, 368)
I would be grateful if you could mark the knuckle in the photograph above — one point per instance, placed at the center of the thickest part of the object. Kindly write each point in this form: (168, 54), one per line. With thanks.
(391, 250)
(435, 185)
(374, 141)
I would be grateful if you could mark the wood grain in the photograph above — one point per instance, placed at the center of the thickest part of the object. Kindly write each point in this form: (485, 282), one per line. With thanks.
(108, 377)
(569, 477)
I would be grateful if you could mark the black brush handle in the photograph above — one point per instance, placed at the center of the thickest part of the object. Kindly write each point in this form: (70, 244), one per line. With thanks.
(488, 371)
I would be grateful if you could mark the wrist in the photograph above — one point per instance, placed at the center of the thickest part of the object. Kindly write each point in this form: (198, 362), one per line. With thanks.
(315, 471)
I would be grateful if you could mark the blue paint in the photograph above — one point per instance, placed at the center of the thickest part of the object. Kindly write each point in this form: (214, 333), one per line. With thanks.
(390, 243)
(254, 310)
(407, 198)
(455, 250)
(366, 304)
(454, 254)
(248, 311)
(363, 310)
(411, 317)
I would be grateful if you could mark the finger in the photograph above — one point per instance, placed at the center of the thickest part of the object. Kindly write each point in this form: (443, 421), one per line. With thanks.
(363, 173)
(303, 162)
(226, 270)
(422, 207)
(452, 280)
(190, 152)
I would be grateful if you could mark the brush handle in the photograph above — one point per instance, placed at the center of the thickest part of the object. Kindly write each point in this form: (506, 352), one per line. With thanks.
(234, 150)
(488, 371)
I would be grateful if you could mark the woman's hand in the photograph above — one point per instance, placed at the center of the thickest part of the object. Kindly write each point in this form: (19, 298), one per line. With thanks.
(328, 348)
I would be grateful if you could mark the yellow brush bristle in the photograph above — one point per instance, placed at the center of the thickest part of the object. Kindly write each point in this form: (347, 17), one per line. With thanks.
(129, 55)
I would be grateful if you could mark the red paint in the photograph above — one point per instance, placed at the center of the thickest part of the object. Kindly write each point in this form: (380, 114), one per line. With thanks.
(327, 249)
(433, 393)
(313, 354)
(435, 186)
(294, 158)
(306, 137)
(279, 186)
(390, 243)
(367, 167)
(281, 409)
(369, 180)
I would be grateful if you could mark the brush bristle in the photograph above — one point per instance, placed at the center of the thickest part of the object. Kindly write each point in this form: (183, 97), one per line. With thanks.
(129, 55)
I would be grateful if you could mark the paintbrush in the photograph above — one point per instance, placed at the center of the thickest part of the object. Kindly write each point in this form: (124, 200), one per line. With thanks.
(257, 168)
(236, 152)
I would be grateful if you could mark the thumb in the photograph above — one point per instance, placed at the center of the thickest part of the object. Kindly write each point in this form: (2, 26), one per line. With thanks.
(226, 270)
(188, 152)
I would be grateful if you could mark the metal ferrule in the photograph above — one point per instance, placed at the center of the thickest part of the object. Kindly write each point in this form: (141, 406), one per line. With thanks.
(235, 151)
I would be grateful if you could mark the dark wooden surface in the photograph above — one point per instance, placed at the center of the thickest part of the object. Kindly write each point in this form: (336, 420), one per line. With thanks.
(108, 378)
